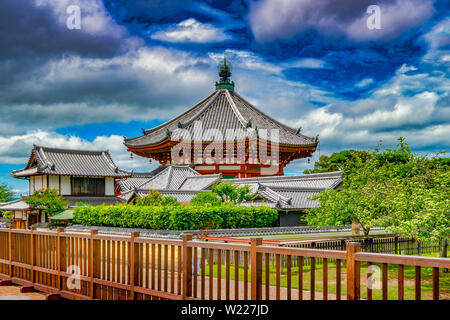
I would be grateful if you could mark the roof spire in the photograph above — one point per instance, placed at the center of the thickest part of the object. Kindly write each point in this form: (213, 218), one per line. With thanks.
(224, 74)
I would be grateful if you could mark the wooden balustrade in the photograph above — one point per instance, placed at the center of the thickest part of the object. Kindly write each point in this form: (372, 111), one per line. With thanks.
(114, 267)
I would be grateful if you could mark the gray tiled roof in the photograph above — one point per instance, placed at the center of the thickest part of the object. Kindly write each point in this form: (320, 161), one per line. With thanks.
(170, 178)
(281, 192)
(54, 161)
(138, 178)
(222, 110)
(19, 204)
(199, 182)
(316, 180)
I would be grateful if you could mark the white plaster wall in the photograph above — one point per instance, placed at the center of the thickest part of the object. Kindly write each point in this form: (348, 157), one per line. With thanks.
(53, 182)
(109, 186)
(65, 185)
(37, 183)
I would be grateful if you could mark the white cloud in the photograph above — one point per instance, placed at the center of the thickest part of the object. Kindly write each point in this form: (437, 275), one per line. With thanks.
(191, 30)
(272, 19)
(16, 149)
(365, 82)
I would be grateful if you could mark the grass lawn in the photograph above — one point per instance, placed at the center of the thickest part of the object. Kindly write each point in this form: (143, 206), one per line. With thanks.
(312, 235)
(409, 273)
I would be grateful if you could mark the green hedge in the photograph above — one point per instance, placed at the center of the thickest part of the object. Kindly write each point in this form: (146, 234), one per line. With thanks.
(224, 216)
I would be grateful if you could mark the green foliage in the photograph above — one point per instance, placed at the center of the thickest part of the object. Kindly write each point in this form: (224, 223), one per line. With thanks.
(232, 193)
(49, 200)
(395, 189)
(345, 160)
(5, 193)
(204, 198)
(170, 201)
(154, 198)
(192, 217)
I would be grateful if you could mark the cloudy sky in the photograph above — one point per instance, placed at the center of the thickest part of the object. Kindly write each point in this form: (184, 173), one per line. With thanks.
(136, 64)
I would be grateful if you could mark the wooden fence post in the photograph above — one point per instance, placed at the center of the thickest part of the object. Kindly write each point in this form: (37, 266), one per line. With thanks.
(256, 269)
(61, 254)
(187, 267)
(10, 252)
(352, 271)
(94, 261)
(134, 263)
(32, 254)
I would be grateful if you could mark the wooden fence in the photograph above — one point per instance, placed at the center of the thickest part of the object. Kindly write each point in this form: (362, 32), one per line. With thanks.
(94, 266)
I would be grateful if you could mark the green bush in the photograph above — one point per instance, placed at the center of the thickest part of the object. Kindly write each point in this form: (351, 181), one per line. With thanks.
(176, 217)
(204, 198)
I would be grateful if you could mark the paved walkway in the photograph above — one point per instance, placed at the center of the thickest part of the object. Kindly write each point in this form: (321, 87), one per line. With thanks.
(13, 293)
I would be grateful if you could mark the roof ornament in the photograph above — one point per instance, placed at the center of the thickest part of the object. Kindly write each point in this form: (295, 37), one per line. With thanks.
(53, 167)
(143, 131)
(317, 138)
(249, 124)
(179, 125)
(299, 130)
(225, 74)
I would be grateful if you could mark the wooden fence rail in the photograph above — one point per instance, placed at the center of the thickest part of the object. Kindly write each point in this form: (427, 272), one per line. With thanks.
(113, 267)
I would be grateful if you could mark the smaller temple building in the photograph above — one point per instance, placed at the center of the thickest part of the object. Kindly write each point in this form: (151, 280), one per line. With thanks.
(78, 175)
(290, 195)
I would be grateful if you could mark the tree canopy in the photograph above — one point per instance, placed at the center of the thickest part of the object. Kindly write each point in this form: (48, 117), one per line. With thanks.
(232, 193)
(49, 200)
(394, 188)
(206, 198)
(6, 194)
(154, 198)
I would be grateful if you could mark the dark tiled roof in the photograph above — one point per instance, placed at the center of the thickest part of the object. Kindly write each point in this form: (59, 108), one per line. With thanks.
(222, 110)
(45, 160)
(138, 178)
(280, 192)
(316, 180)
(171, 178)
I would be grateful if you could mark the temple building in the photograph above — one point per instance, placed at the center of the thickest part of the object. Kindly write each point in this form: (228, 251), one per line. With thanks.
(77, 175)
(225, 134)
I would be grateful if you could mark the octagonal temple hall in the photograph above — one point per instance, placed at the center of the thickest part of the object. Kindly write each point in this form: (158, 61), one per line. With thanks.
(240, 124)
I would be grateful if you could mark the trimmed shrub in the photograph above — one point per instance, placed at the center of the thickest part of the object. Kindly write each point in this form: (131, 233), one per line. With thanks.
(204, 198)
(176, 217)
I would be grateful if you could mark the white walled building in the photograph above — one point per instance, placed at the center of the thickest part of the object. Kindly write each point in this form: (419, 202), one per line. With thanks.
(77, 175)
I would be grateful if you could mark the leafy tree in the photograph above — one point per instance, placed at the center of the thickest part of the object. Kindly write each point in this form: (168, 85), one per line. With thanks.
(232, 193)
(5, 193)
(154, 198)
(49, 200)
(170, 201)
(395, 189)
(345, 160)
(204, 198)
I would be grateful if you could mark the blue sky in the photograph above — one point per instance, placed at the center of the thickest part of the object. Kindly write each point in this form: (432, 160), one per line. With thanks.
(136, 64)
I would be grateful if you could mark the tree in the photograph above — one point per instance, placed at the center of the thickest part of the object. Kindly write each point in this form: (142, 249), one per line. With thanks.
(204, 198)
(154, 198)
(232, 193)
(345, 160)
(395, 189)
(5, 193)
(48, 200)
(170, 201)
